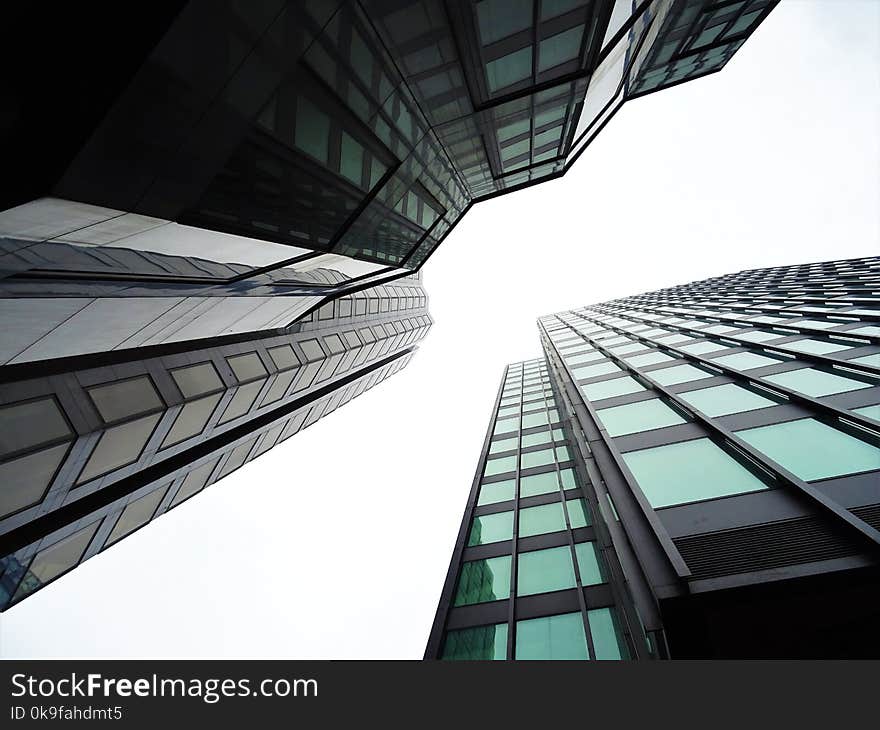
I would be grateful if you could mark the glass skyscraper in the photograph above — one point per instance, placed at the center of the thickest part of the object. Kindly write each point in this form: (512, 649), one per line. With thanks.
(221, 236)
(691, 472)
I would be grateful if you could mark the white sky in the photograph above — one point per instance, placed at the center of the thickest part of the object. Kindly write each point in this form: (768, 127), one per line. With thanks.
(336, 543)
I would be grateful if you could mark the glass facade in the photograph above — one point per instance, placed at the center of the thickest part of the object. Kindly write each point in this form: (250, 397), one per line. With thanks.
(707, 439)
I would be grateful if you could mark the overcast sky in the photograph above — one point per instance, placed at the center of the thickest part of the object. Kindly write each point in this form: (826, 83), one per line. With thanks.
(336, 543)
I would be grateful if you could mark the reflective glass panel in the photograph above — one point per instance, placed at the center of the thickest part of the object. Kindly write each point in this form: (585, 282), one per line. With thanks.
(491, 528)
(483, 580)
(722, 400)
(552, 637)
(634, 417)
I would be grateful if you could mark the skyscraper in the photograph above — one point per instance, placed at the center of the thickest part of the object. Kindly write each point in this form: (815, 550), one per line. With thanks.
(691, 472)
(223, 238)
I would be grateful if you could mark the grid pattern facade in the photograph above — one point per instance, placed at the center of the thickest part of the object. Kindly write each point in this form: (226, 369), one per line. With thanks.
(730, 432)
(84, 446)
(532, 576)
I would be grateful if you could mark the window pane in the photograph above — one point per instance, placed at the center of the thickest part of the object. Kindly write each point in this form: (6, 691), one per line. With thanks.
(607, 640)
(502, 445)
(588, 564)
(136, 514)
(721, 400)
(745, 360)
(119, 445)
(541, 519)
(500, 465)
(501, 18)
(312, 132)
(25, 425)
(483, 580)
(611, 388)
(509, 69)
(197, 379)
(192, 419)
(815, 347)
(649, 358)
(351, 162)
(52, 561)
(194, 482)
(687, 472)
(496, 492)
(635, 417)
(552, 637)
(815, 383)
(679, 374)
(116, 401)
(869, 411)
(24, 480)
(538, 484)
(491, 528)
(540, 571)
(593, 371)
(578, 513)
(811, 450)
(475, 644)
(242, 401)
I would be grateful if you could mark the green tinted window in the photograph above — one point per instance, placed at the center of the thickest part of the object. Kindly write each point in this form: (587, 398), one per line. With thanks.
(721, 400)
(611, 388)
(578, 513)
(634, 417)
(815, 347)
(506, 425)
(496, 492)
(541, 457)
(811, 450)
(588, 564)
(745, 360)
(815, 383)
(592, 356)
(698, 348)
(540, 571)
(593, 371)
(679, 374)
(868, 360)
(560, 48)
(541, 519)
(607, 639)
(483, 580)
(649, 358)
(509, 69)
(500, 465)
(538, 484)
(502, 445)
(869, 411)
(312, 130)
(491, 528)
(476, 644)
(552, 637)
(542, 437)
(687, 472)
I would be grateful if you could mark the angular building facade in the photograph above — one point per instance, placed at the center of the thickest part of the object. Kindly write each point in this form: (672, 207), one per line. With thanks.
(222, 239)
(692, 472)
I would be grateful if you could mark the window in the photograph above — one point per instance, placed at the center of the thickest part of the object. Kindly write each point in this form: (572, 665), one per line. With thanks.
(26, 478)
(552, 637)
(815, 347)
(745, 360)
(196, 380)
(501, 18)
(642, 416)
(192, 419)
(541, 519)
(679, 374)
(483, 580)
(491, 528)
(687, 472)
(573, 360)
(502, 445)
(479, 643)
(812, 450)
(649, 358)
(56, 559)
(722, 400)
(509, 69)
(593, 371)
(500, 465)
(542, 457)
(136, 514)
(611, 388)
(125, 398)
(541, 571)
(815, 383)
(119, 446)
(607, 640)
(588, 564)
(560, 48)
(193, 482)
(869, 411)
(578, 513)
(496, 492)
(698, 348)
(538, 484)
(244, 398)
